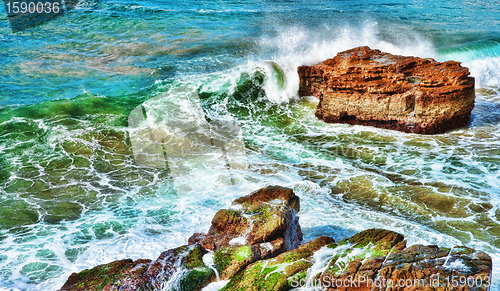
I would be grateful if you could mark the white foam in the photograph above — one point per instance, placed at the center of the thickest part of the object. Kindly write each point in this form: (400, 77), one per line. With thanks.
(214, 286)
(294, 46)
(322, 258)
(238, 241)
(457, 264)
(486, 71)
(268, 246)
(484, 64)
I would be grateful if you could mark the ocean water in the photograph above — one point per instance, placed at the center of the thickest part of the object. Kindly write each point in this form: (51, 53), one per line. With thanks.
(75, 194)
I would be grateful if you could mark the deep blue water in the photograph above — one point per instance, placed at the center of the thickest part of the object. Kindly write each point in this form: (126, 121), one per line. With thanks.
(73, 195)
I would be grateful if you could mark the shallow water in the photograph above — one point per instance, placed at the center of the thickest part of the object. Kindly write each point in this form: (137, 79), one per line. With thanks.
(73, 195)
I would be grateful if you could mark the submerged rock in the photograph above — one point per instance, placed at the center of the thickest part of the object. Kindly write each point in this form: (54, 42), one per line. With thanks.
(255, 246)
(368, 87)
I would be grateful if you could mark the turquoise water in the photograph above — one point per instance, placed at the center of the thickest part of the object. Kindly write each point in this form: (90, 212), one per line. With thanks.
(72, 194)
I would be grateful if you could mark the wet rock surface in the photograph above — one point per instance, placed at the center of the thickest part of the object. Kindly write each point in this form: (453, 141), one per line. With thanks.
(266, 215)
(181, 268)
(378, 259)
(278, 273)
(259, 249)
(369, 87)
(374, 259)
(258, 226)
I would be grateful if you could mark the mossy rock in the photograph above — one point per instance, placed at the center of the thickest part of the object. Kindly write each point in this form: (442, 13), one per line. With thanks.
(230, 260)
(383, 239)
(196, 279)
(98, 277)
(144, 274)
(194, 258)
(275, 273)
(369, 246)
(258, 276)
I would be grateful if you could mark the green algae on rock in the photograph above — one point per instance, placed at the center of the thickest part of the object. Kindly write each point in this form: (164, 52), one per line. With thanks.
(254, 245)
(257, 226)
(277, 273)
(230, 260)
(180, 268)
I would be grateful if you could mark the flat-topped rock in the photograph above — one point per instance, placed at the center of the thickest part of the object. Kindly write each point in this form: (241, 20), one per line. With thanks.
(369, 87)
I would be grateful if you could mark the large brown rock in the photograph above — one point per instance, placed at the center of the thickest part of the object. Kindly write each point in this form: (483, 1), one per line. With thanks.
(410, 94)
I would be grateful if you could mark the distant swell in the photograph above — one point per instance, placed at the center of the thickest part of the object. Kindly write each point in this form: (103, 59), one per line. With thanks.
(483, 61)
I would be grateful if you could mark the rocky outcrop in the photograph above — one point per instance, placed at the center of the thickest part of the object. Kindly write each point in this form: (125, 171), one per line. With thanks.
(263, 216)
(368, 87)
(181, 268)
(379, 260)
(258, 226)
(255, 246)
(374, 259)
(280, 272)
